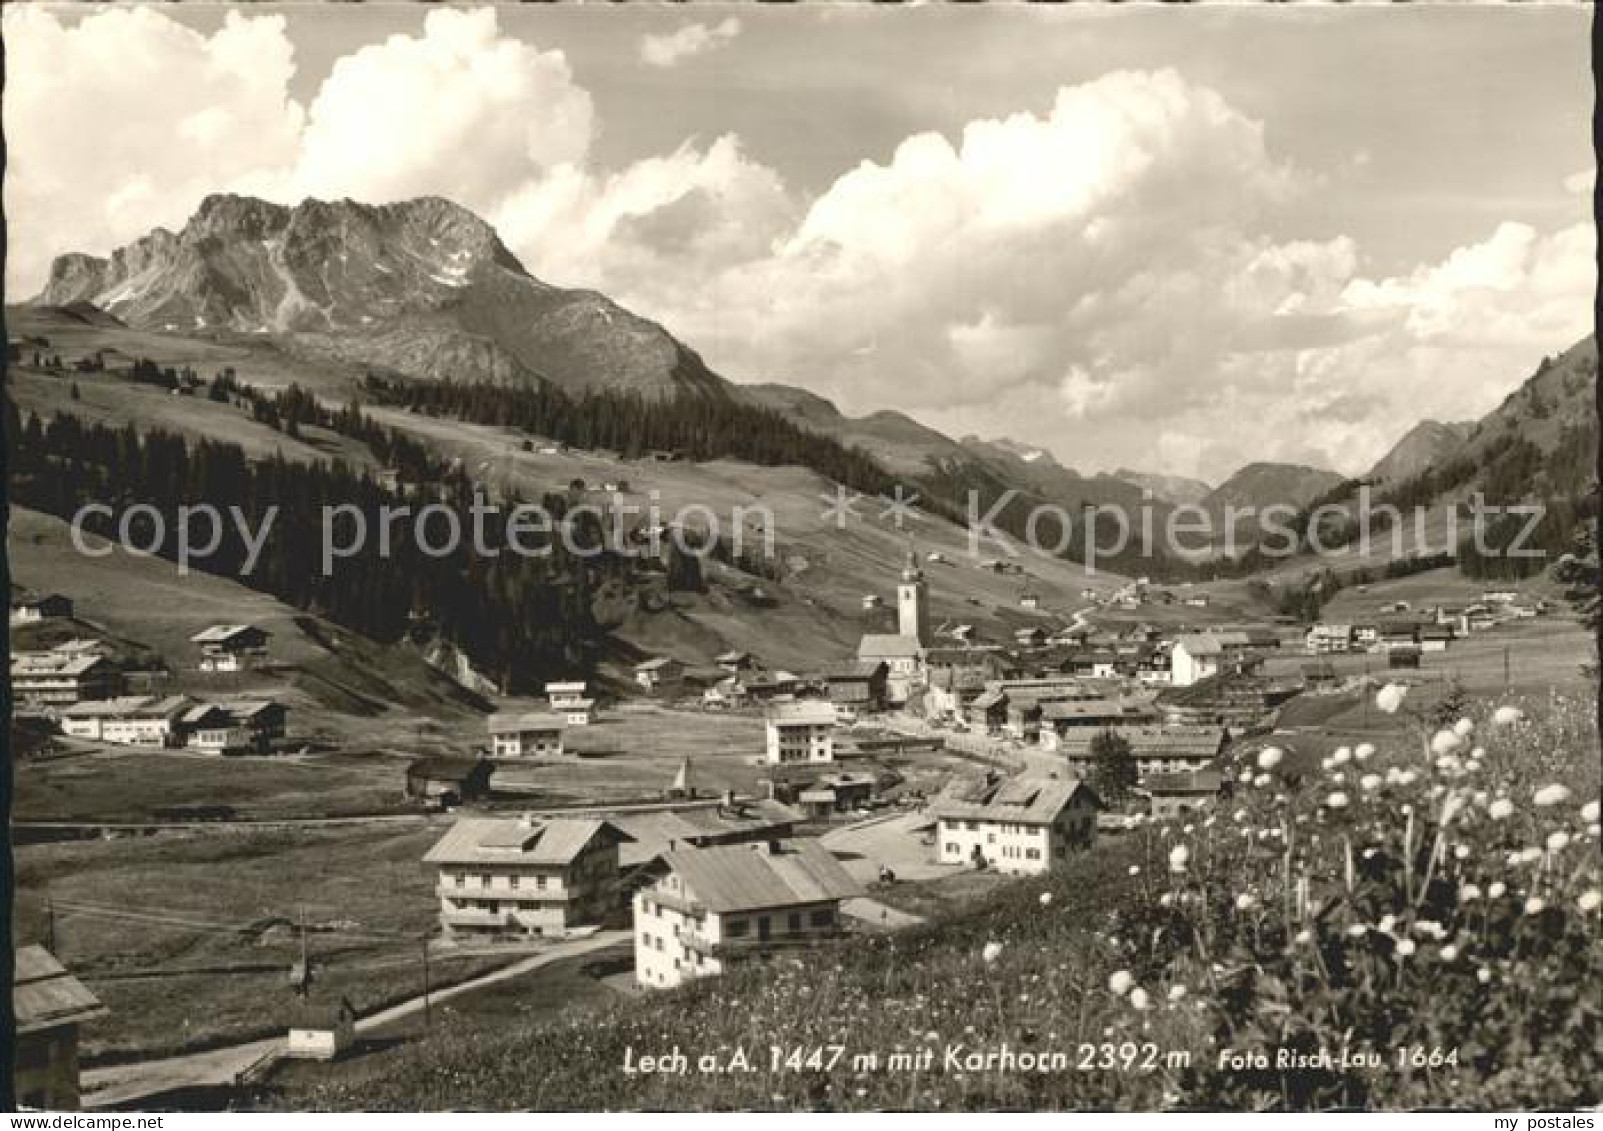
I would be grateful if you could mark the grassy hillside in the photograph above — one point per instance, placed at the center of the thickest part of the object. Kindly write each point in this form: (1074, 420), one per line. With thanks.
(1379, 902)
(339, 686)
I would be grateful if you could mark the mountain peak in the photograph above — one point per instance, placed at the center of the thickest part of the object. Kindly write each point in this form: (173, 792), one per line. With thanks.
(1425, 445)
(423, 287)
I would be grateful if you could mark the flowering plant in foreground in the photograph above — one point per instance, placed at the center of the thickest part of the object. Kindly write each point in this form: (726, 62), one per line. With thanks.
(1444, 918)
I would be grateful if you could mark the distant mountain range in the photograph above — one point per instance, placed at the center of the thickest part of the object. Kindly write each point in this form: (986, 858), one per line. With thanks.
(1175, 489)
(426, 289)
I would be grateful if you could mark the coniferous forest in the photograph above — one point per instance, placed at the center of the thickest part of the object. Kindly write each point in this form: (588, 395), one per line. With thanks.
(518, 617)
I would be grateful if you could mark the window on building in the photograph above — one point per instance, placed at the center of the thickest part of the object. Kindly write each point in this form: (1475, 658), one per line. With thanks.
(514, 881)
(735, 928)
(794, 921)
(539, 882)
(823, 917)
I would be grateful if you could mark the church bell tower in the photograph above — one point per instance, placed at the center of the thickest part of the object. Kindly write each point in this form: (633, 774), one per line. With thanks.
(913, 602)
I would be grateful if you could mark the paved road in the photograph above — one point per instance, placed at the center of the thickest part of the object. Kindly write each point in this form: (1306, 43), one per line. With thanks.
(122, 1084)
(875, 914)
(895, 842)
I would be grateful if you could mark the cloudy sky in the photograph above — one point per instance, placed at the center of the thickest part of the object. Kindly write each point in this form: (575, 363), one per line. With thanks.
(1170, 239)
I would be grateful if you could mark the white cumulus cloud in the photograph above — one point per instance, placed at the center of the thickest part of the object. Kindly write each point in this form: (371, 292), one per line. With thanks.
(126, 120)
(687, 42)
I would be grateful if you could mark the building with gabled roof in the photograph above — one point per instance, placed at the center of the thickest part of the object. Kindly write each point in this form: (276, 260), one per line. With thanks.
(447, 781)
(58, 679)
(710, 907)
(49, 1005)
(903, 657)
(234, 726)
(1155, 749)
(659, 674)
(1172, 794)
(1024, 825)
(800, 731)
(857, 683)
(231, 647)
(526, 875)
(128, 720)
(526, 734)
(730, 821)
(321, 1024)
(34, 607)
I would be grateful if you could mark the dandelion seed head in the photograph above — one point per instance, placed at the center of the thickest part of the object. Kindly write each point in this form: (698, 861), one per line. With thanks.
(1508, 716)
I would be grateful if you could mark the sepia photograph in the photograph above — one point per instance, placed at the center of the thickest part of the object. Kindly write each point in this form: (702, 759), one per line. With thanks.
(832, 557)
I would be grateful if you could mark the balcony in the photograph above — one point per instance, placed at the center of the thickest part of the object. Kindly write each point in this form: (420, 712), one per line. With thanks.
(750, 945)
(508, 895)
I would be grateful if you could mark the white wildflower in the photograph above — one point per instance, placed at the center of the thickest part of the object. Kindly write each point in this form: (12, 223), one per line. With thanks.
(1121, 982)
(1501, 809)
(1551, 795)
(1270, 757)
(1390, 698)
(992, 951)
(1590, 900)
(1508, 716)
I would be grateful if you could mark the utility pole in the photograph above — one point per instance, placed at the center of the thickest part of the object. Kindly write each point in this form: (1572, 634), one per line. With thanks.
(1508, 680)
(50, 924)
(306, 969)
(428, 1020)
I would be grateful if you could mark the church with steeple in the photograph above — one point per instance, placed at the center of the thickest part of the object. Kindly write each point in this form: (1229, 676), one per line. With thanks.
(903, 653)
(913, 602)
